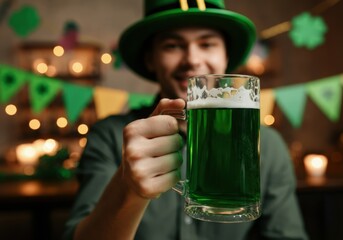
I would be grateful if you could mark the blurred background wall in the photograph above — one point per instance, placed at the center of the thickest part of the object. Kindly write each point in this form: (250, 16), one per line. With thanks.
(100, 23)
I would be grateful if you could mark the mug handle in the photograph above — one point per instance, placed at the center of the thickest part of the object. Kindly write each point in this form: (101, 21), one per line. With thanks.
(178, 114)
(180, 186)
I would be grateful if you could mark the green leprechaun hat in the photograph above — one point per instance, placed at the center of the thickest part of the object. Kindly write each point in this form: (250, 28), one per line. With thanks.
(239, 31)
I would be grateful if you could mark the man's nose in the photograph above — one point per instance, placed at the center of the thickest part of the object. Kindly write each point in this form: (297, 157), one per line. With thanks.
(192, 56)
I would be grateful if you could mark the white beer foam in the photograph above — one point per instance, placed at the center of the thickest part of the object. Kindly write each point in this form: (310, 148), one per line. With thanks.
(224, 98)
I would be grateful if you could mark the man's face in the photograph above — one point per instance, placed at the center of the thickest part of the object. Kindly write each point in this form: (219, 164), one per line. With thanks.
(184, 52)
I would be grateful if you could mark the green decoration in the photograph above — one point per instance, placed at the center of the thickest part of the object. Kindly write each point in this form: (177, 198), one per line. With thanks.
(307, 31)
(76, 98)
(11, 81)
(42, 91)
(24, 21)
(69, 38)
(70, 26)
(138, 100)
(327, 94)
(51, 167)
(117, 63)
(292, 101)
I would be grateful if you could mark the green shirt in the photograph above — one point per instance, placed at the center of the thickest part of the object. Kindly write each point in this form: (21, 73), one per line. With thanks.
(164, 218)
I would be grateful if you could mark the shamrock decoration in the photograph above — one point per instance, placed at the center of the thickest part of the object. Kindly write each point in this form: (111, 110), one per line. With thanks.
(307, 30)
(24, 21)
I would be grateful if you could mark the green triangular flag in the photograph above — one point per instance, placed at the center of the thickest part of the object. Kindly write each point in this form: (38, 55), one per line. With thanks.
(42, 91)
(76, 98)
(137, 100)
(11, 81)
(292, 100)
(327, 94)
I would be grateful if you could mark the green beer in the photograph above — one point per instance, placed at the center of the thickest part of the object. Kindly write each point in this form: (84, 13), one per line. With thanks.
(223, 168)
(223, 161)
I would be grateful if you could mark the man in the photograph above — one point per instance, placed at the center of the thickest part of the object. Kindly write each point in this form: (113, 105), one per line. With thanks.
(131, 161)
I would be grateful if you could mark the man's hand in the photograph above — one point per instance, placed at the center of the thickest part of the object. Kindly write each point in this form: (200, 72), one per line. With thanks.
(151, 157)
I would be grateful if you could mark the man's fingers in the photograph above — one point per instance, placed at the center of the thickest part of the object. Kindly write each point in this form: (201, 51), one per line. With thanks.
(152, 127)
(153, 187)
(152, 167)
(165, 104)
(157, 125)
(164, 145)
(150, 151)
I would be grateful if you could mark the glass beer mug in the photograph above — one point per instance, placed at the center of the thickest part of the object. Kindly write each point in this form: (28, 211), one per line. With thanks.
(223, 161)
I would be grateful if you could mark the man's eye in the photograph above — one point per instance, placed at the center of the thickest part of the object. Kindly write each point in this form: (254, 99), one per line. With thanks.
(208, 44)
(171, 46)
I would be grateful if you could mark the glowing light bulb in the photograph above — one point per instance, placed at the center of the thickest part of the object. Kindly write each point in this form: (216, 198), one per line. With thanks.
(83, 142)
(36, 62)
(62, 122)
(52, 71)
(11, 109)
(50, 146)
(82, 129)
(34, 124)
(42, 68)
(106, 58)
(58, 51)
(269, 120)
(77, 67)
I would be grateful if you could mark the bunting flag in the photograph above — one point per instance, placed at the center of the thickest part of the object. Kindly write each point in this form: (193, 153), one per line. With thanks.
(267, 103)
(109, 101)
(11, 81)
(292, 100)
(42, 91)
(76, 98)
(138, 100)
(327, 94)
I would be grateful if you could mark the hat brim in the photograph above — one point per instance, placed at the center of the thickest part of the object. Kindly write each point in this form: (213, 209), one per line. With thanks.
(239, 31)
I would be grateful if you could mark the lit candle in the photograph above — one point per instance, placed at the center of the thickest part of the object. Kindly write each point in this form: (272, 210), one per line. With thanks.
(315, 164)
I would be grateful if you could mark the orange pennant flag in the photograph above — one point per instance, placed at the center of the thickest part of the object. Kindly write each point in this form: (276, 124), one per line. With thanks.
(267, 103)
(109, 101)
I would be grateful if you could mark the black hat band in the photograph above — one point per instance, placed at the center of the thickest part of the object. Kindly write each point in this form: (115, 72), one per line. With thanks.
(191, 4)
